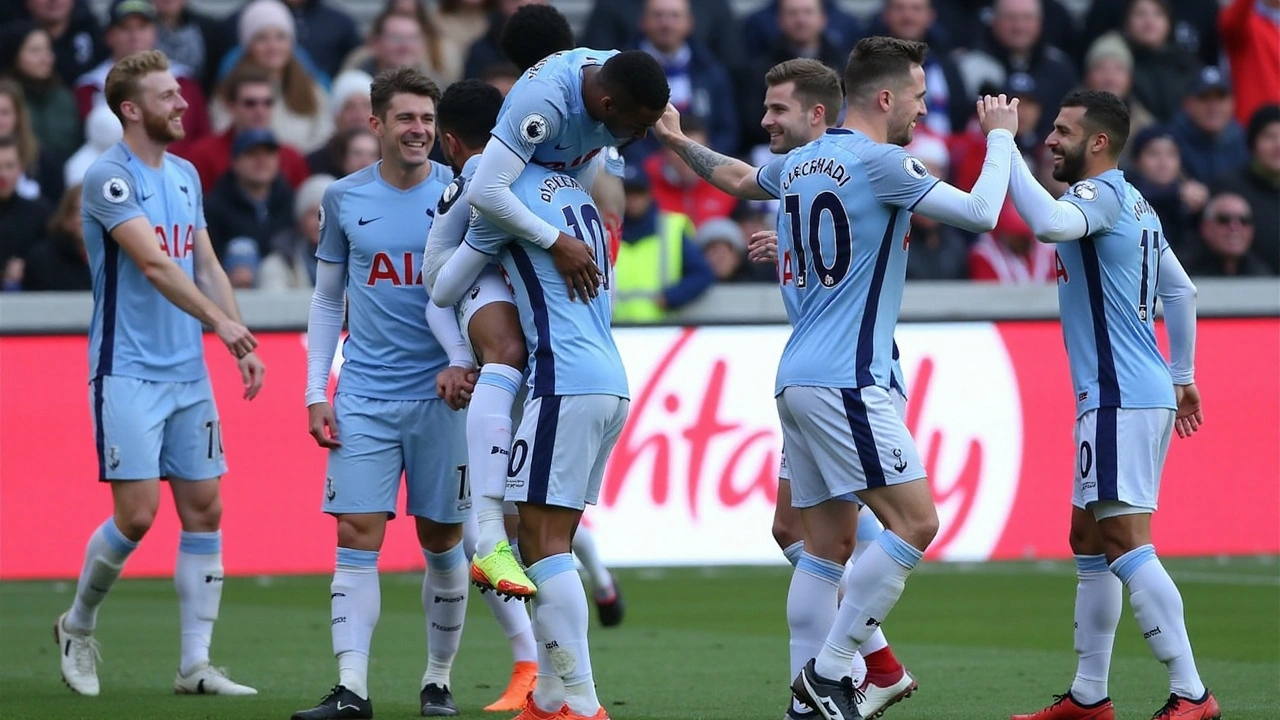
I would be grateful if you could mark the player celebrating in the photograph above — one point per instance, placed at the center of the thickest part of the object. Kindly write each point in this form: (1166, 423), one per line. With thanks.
(1113, 262)
(386, 418)
(155, 280)
(855, 181)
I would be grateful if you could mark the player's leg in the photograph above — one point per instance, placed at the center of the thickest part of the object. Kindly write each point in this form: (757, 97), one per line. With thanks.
(361, 484)
(1129, 452)
(128, 422)
(439, 499)
(877, 672)
(493, 328)
(605, 593)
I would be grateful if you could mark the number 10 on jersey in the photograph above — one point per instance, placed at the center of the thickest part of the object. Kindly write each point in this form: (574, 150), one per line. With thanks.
(809, 244)
(587, 218)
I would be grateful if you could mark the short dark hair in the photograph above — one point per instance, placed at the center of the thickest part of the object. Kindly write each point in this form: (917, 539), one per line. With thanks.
(816, 84)
(534, 32)
(469, 110)
(241, 76)
(1103, 113)
(390, 83)
(877, 58)
(637, 75)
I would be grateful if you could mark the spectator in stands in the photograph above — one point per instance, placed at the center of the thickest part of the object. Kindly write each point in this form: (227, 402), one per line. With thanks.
(487, 49)
(250, 101)
(1157, 174)
(803, 33)
(1108, 66)
(725, 249)
(26, 55)
(459, 24)
(131, 28)
(1010, 254)
(1022, 86)
(966, 24)
(1226, 238)
(251, 200)
(613, 24)
(501, 75)
(41, 171)
(241, 261)
(359, 151)
(351, 110)
(1016, 44)
(1211, 141)
(1251, 34)
(59, 260)
(325, 35)
(938, 251)
(301, 111)
(677, 189)
(22, 220)
(1259, 183)
(1161, 69)
(395, 39)
(659, 269)
(77, 44)
(1195, 24)
(949, 105)
(763, 27)
(191, 39)
(102, 130)
(292, 262)
(699, 83)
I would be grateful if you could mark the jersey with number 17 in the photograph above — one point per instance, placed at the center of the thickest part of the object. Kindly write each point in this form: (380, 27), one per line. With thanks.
(842, 253)
(1107, 295)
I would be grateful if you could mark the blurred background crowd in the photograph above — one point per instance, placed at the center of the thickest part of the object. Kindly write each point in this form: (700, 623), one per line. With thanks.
(279, 106)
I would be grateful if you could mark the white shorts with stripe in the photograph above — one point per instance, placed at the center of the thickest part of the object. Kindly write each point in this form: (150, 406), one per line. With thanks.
(560, 449)
(899, 404)
(1120, 453)
(841, 441)
(489, 287)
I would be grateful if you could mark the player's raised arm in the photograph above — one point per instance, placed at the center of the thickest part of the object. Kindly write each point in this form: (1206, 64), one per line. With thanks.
(730, 175)
(1051, 220)
(458, 274)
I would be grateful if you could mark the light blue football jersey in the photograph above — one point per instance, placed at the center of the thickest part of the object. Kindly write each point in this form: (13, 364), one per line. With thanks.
(1107, 296)
(136, 331)
(543, 119)
(842, 254)
(571, 343)
(379, 231)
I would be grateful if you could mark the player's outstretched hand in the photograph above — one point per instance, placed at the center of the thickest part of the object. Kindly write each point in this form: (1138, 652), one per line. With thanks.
(323, 425)
(576, 262)
(998, 113)
(668, 126)
(252, 371)
(236, 337)
(763, 247)
(454, 385)
(1190, 417)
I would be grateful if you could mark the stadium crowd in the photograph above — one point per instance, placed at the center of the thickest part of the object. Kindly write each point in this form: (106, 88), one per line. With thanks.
(279, 101)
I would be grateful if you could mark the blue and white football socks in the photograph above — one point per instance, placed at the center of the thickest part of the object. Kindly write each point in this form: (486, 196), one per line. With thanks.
(811, 607)
(355, 604)
(1099, 597)
(1157, 606)
(104, 558)
(560, 625)
(198, 580)
(489, 449)
(444, 602)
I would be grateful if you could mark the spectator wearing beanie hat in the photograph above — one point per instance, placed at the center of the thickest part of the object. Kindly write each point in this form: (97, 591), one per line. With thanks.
(1258, 182)
(267, 42)
(291, 264)
(349, 100)
(1156, 172)
(241, 261)
(1108, 66)
(326, 34)
(725, 249)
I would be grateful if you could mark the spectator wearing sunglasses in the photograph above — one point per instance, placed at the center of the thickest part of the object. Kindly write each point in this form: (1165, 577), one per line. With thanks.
(1226, 239)
(1259, 183)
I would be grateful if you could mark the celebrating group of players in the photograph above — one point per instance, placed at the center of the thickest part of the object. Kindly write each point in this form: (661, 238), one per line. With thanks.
(517, 268)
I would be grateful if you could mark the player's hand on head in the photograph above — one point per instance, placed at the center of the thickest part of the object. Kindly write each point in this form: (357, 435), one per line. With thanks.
(1189, 415)
(576, 262)
(454, 385)
(252, 371)
(236, 337)
(763, 247)
(668, 126)
(323, 425)
(998, 113)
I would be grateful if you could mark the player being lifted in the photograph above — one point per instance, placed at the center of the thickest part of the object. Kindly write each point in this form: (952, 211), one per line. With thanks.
(386, 418)
(847, 199)
(1113, 262)
(155, 280)
(560, 115)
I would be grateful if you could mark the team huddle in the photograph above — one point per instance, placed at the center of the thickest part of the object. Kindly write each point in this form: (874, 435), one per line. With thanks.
(479, 364)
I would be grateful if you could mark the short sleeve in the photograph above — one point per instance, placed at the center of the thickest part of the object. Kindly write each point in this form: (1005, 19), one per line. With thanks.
(534, 117)
(614, 163)
(484, 236)
(897, 178)
(111, 195)
(769, 177)
(333, 245)
(1100, 203)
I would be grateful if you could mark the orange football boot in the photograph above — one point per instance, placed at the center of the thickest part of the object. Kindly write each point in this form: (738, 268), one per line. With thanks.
(533, 712)
(1180, 708)
(523, 678)
(567, 714)
(1065, 707)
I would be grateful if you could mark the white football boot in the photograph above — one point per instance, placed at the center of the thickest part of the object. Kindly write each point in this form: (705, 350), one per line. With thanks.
(79, 655)
(876, 699)
(209, 680)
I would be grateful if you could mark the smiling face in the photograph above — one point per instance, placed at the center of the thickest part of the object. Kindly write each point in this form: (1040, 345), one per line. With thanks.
(158, 107)
(1067, 144)
(786, 120)
(907, 108)
(35, 57)
(407, 130)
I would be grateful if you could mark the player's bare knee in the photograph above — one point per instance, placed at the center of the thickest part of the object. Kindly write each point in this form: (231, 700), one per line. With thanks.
(135, 521)
(362, 531)
(785, 534)
(437, 537)
(508, 351)
(919, 528)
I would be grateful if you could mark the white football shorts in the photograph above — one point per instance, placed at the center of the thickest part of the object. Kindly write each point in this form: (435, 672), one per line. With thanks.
(1120, 453)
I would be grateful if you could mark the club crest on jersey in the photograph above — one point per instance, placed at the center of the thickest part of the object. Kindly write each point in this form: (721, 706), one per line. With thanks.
(1085, 190)
(534, 127)
(115, 190)
(320, 217)
(915, 168)
(451, 193)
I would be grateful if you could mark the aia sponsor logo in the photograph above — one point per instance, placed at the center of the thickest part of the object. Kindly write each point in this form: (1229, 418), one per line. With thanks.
(177, 241)
(396, 269)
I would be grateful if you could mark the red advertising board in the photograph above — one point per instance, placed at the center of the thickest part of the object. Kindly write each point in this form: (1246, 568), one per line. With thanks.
(990, 407)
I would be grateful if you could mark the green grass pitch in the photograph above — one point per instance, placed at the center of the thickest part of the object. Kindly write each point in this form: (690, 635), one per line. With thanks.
(984, 640)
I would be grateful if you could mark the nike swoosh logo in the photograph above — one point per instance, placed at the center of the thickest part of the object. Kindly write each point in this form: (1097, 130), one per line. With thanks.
(148, 197)
(566, 147)
(362, 221)
(342, 706)
(431, 213)
(183, 188)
